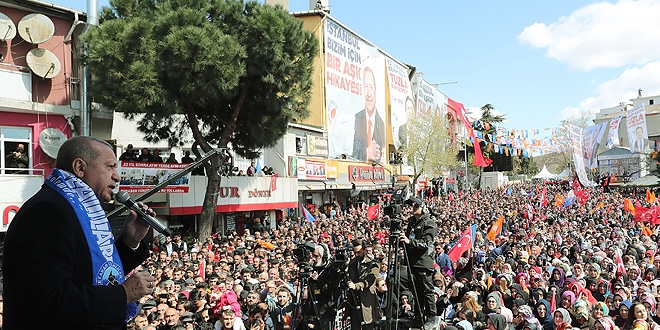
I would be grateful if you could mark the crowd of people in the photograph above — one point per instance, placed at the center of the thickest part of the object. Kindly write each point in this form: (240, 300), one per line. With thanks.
(537, 256)
(586, 266)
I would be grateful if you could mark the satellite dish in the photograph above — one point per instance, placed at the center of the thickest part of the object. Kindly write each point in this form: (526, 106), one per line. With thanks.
(43, 63)
(50, 140)
(7, 28)
(36, 28)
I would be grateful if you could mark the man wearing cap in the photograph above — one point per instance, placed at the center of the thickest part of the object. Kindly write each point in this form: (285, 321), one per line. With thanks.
(362, 273)
(128, 154)
(418, 240)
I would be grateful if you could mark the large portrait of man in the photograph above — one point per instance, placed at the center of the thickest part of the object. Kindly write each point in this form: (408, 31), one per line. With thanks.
(369, 138)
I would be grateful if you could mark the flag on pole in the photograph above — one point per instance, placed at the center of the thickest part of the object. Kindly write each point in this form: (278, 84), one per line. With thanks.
(559, 200)
(464, 243)
(308, 215)
(202, 269)
(373, 212)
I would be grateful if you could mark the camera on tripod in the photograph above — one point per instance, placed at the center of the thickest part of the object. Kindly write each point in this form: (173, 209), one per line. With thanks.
(302, 254)
(394, 208)
(341, 255)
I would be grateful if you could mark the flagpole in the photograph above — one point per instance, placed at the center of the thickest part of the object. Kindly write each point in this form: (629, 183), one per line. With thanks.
(466, 163)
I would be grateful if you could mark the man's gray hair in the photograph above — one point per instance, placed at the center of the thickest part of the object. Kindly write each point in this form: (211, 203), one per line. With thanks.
(78, 147)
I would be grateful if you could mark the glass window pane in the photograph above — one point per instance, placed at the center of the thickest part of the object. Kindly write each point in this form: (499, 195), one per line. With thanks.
(16, 133)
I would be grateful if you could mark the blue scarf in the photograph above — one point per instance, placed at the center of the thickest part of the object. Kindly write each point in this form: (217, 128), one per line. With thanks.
(106, 265)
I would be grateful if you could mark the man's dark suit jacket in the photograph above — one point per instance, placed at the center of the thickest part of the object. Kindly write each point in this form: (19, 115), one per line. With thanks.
(48, 271)
(360, 141)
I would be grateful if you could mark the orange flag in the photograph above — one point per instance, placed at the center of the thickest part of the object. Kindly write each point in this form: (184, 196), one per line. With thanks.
(648, 196)
(646, 231)
(496, 229)
(653, 198)
(628, 206)
(559, 201)
(599, 205)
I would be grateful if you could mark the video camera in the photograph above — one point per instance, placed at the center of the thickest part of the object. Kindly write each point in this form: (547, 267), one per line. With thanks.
(393, 210)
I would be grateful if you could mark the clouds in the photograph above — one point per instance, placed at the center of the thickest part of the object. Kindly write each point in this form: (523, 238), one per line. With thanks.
(605, 35)
(619, 89)
(601, 35)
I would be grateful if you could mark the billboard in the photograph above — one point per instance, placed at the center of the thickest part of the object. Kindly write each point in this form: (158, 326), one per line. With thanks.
(138, 177)
(638, 137)
(401, 100)
(355, 95)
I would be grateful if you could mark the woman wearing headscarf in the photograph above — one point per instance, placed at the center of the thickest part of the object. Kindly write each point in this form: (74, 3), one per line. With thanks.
(602, 290)
(605, 323)
(582, 315)
(567, 299)
(464, 325)
(542, 312)
(526, 311)
(492, 303)
(560, 316)
(599, 310)
(497, 322)
(624, 313)
(558, 277)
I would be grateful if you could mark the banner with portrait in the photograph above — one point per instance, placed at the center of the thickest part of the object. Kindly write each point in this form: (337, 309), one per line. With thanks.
(638, 138)
(355, 95)
(401, 101)
(613, 134)
(592, 137)
(575, 135)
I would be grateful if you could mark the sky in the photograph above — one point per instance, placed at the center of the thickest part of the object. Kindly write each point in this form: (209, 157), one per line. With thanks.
(536, 62)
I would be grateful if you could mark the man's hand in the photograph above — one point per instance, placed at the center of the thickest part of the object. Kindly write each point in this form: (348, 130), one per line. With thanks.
(403, 238)
(135, 228)
(373, 151)
(138, 285)
(351, 285)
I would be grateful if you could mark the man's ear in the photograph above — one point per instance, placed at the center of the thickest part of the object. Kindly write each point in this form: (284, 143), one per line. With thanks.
(78, 167)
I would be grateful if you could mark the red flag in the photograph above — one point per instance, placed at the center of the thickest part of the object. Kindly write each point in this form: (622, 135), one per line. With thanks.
(273, 182)
(619, 264)
(202, 269)
(451, 197)
(553, 302)
(479, 159)
(373, 212)
(464, 243)
(576, 184)
(544, 200)
(582, 196)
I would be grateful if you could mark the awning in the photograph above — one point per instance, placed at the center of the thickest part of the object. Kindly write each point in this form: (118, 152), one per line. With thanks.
(383, 185)
(338, 185)
(365, 186)
(311, 186)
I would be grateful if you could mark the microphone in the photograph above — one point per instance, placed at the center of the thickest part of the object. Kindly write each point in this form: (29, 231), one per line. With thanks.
(124, 198)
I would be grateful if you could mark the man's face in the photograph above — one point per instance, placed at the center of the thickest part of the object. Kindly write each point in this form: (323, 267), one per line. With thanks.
(20, 148)
(417, 210)
(282, 298)
(639, 132)
(410, 108)
(171, 317)
(228, 321)
(141, 321)
(101, 173)
(369, 92)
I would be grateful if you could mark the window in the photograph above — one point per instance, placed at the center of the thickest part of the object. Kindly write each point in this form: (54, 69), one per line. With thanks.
(301, 145)
(650, 102)
(13, 139)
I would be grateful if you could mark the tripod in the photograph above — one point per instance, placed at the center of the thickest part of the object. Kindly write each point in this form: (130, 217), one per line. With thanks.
(304, 299)
(394, 279)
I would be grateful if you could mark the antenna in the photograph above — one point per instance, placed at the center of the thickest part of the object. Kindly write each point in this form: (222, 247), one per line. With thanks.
(50, 140)
(7, 28)
(43, 63)
(36, 28)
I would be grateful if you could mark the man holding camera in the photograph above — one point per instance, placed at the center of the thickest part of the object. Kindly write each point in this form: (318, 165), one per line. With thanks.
(418, 240)
(362, 273)
(17, 159)
(324, 290)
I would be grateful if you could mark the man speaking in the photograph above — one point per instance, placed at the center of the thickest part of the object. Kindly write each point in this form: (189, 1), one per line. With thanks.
(60, 258)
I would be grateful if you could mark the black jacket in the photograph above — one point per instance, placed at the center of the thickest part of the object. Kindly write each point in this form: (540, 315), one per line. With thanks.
(422, 235)
(48, 271)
